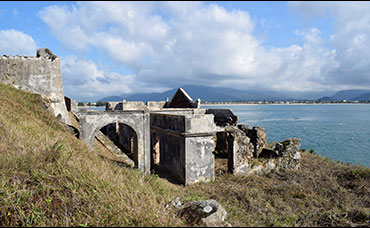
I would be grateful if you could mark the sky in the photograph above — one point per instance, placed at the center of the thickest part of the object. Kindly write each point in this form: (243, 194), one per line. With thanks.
(115, 48)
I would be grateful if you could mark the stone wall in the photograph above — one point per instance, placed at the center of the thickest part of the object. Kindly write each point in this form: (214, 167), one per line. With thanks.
(185, 144)
(133, 105)
(248, 152)
(71, 105)
(40, 74)
(156, 105)
(123, 136)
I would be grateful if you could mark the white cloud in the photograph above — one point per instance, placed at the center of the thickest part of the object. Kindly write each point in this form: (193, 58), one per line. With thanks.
(84, 81)
(13, 42)
(170, 44)
(350, 40)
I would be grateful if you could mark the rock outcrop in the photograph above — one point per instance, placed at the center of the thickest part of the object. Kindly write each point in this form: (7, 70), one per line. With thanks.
(248, 152)
(208, 212)
(240, 150)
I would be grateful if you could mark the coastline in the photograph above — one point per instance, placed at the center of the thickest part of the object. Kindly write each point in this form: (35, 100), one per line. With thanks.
(227, 104)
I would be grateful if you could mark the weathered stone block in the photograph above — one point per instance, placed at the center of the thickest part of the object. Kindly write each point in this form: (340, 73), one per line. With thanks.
(205, 212)
(240, 150)
(257, 136)
(291, 157)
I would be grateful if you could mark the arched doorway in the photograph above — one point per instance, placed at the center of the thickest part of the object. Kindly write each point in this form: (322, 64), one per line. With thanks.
(137, 120)
(124, 137)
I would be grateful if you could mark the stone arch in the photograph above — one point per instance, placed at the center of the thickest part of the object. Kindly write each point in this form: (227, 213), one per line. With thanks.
(105, 123)
(91, 122)
(132, 140)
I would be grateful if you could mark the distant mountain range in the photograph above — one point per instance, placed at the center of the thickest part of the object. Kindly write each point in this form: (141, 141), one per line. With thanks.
(350, 95)
(206, 93)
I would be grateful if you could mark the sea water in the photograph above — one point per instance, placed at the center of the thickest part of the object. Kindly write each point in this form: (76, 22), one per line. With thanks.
(337, 131)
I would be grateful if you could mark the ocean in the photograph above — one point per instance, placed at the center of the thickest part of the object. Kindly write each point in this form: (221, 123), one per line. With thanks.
(337, 131)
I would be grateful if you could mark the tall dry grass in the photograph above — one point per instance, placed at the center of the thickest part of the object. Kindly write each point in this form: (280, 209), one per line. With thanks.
(49, 178)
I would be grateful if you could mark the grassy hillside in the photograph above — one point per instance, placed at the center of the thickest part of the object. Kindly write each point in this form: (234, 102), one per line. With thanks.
(50, 178)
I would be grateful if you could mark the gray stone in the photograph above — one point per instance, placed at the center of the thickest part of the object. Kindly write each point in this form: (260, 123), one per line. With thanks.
(243, 127)
(194, 212)
(38, 75)
(114, 149)
(184, 144)
(218, 224)
(257, 137)
(240, 150)
(291, 158)
(71, 104)
(93, 121)
(176, 202)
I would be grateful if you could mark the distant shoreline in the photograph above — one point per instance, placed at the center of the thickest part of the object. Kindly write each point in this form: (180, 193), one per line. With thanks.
(223, 104)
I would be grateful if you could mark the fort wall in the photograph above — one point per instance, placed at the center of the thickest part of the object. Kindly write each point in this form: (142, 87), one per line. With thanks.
(39, 74)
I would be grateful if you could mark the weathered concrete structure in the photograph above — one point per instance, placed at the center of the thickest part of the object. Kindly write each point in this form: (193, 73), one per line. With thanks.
(183, 145)
(177, 135)
(181, 139)
(39, 74)
(93, 121)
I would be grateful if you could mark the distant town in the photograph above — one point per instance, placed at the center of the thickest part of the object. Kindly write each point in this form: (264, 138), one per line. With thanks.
(99, 104)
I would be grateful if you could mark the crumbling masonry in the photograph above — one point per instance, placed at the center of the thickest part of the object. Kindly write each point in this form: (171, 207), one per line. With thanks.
(174, 135)
(39, 74)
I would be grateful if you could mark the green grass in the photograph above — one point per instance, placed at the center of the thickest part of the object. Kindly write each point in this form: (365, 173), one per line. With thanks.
(50, 178)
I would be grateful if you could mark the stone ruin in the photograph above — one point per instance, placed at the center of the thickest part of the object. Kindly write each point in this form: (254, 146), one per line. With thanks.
(38, 74)
(215, 134)
(177, 136)
(247, 150)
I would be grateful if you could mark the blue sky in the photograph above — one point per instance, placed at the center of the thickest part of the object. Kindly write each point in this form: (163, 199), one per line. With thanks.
(114, 48)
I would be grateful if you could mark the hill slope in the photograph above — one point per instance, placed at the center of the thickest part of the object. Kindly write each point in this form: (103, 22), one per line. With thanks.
(205, 93)
(363, 97)
(49, 178)
(349, 94)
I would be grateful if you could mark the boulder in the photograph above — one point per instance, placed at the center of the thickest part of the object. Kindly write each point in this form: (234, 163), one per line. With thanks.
(223, 117)
(207, 212)
(291, 157)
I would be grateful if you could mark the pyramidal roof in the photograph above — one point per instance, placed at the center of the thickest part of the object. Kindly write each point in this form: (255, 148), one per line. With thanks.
(181, 99)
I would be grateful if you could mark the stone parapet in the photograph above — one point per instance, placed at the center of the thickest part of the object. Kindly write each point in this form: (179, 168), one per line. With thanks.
(38, 74)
